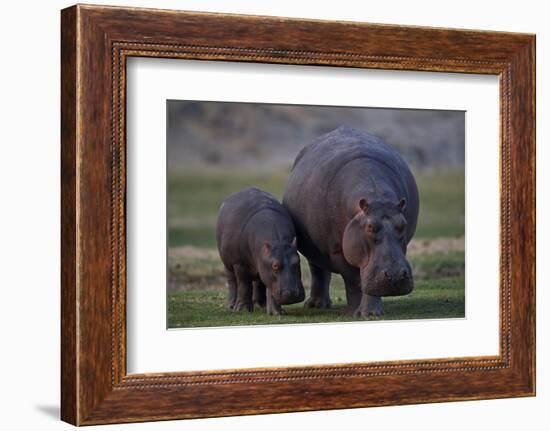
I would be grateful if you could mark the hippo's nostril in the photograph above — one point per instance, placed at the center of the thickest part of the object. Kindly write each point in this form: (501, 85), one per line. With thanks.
(404, 274)
(386, 274)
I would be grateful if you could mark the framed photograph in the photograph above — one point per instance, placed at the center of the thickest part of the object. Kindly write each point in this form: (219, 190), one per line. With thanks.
(265, 214)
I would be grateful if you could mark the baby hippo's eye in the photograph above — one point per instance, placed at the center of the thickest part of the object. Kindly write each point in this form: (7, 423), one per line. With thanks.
(276, 266)
(371, 228)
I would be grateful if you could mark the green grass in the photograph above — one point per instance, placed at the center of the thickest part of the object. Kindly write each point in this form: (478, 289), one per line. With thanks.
(442, 204)
(437, 298)
(438, 293)
(440, 265)
(194, 200)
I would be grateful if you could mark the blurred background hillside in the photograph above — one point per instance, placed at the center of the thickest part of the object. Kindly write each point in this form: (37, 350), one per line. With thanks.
(268, 137)
(216, 149)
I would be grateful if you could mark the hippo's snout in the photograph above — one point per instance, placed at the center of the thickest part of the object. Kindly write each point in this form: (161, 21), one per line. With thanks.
(399, 275)
(289, 296)
(390, 281)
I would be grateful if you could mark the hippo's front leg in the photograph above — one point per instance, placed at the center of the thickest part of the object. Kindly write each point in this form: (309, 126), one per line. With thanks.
(272, 307)
(244, 289)
(352, 283)
(369, 306)
(319, 296)
(259, 294)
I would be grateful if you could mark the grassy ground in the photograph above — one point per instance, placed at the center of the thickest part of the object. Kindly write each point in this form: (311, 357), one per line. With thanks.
(200, 299)
(197, 292)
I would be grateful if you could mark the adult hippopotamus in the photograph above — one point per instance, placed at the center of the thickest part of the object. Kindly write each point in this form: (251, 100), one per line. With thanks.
(257, 244)
(354, 202)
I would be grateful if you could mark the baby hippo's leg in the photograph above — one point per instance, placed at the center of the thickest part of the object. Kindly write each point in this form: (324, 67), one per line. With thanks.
(244, 289)
(258, 294)
(272, 308)
(231, 287)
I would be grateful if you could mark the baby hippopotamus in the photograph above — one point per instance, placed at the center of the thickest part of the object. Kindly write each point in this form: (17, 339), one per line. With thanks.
(257, 244)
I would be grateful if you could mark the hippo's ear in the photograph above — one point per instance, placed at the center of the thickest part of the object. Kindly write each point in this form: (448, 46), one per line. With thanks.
(353, 243)
(362, 204)
(402, 204)
(294, 243)
(266, 249)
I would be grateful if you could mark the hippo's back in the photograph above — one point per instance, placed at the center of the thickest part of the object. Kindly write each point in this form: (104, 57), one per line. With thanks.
(318, 163)
(246, 208)
(237, 208)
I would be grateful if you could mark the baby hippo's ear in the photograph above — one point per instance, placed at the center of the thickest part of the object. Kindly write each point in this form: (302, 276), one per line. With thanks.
(402, 204)
(294, 243)
(362, 204)
(266, 249)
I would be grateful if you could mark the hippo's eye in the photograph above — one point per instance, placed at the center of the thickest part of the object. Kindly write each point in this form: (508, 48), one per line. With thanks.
(372, 228)
(276, 266)
(400, 227)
